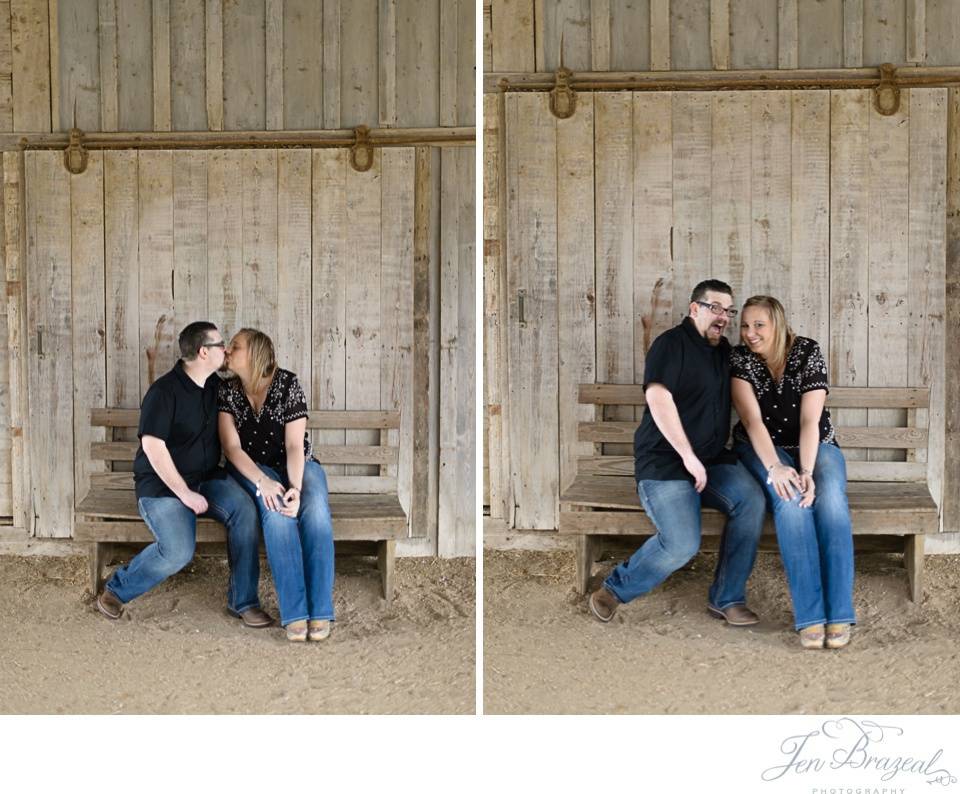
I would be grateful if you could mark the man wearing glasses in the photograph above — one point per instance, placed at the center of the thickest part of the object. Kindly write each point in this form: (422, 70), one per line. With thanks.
(177, 476)
(681, 462)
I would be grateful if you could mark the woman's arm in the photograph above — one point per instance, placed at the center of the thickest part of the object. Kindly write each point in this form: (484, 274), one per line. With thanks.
(811, 408)
(293, 433)
(230, 441)
(781, 476)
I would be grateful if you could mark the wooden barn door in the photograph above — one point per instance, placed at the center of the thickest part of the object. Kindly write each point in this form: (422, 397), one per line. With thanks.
(294, 242)
(613, 215)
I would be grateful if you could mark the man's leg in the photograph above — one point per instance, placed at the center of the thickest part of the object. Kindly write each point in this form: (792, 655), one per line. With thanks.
(174, 526)
(734, 491)
(674, 507)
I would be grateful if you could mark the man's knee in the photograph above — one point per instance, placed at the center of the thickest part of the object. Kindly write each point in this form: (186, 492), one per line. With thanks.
(681, 550)
(177, 556)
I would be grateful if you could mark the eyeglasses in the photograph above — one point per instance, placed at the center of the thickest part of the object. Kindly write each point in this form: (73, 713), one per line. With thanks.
(214, 344)
(717, 309)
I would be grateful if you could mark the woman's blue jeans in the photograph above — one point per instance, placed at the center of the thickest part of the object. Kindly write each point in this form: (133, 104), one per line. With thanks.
(816, 543)
(300, 550)
(674, 507)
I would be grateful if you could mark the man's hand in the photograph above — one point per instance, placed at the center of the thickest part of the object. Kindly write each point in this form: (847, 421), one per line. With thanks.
(195, 502)
(693, 465)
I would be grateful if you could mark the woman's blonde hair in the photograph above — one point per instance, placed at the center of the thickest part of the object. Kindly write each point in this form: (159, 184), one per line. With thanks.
(783, 335)
(263, 358)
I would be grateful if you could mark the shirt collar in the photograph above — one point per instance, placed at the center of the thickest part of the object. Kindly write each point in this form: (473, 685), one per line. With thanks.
(691, 329)
(185, 379)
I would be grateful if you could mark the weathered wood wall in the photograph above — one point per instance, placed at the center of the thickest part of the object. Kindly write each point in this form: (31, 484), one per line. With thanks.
(161, 65)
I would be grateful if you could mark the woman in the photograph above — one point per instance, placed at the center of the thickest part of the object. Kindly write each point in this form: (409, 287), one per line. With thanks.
(263, 421)
(786, 439)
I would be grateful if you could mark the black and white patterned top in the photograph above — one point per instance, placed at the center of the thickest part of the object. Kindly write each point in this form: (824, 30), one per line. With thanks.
(262, 435)
(805, 370)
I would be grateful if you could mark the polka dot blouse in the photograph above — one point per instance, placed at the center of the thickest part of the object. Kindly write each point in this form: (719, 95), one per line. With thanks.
(805, 370)
(262, 434)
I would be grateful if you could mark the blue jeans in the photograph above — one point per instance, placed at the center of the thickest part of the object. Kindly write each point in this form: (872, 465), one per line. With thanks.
(816, 543)
(674, 507)
(174, 525)
(300, 550)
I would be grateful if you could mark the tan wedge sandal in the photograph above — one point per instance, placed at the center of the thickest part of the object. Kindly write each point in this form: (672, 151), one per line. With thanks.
(838, 635)
(319, 630)
(811, 637)
(297, 631)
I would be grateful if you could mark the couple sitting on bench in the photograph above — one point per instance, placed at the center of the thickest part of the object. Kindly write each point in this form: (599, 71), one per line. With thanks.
(785, 455)
(258, 417)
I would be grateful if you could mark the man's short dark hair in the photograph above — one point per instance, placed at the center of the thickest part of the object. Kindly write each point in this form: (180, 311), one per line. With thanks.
(193, 337)
(710, 285)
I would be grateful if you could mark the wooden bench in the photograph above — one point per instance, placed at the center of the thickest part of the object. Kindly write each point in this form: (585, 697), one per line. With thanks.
(363, 502)
(887, 498)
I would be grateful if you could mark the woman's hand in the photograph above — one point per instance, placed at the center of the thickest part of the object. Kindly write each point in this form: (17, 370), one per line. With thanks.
(808, 488)
(784, 480)
(272, 493)
(291, 503)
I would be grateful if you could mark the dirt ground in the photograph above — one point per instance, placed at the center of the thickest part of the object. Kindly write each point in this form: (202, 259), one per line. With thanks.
(663, 654)
(177, 650)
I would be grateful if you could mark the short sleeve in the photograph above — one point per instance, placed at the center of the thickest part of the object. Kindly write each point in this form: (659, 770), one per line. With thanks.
(156, 413)
(664, 362)
(295, 404)
(738, 364)
(813, 376)
(224, 402)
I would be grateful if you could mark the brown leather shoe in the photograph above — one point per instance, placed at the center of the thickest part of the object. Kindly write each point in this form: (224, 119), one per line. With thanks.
(109, 604)
(603, 604)
(736, 615)
(256, 618)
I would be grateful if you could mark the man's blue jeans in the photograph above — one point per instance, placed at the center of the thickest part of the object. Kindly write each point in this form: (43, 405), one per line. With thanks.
(174, 525)
(674, 507)
(816, 543)
(300, 550)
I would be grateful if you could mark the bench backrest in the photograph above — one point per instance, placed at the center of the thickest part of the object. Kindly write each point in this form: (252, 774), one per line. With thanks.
(369, 468)
(903, 412)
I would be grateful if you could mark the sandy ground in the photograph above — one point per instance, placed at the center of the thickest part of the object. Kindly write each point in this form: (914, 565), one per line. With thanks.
(177, 650)
(663, 654)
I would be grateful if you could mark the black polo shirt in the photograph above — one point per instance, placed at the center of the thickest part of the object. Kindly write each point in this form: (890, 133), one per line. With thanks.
(697, 374)
(184, 415)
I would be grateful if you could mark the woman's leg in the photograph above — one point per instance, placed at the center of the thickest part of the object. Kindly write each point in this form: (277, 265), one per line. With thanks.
(316, 537)
(834, 533)
(282, 539)
(797, 538)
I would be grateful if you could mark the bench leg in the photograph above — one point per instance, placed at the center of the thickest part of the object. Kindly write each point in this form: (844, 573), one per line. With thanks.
(98, 556)
(386, 557)
(913, 562)
(586, 554)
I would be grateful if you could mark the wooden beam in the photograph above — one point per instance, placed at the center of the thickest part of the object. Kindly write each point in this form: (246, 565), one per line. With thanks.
(419, 499)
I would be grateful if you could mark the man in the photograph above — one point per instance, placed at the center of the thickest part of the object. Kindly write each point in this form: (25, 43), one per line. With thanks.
(681, 462)
(178, 477)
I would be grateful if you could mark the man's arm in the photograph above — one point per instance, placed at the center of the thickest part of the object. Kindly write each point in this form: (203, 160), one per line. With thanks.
(664, 413)
(159, 456)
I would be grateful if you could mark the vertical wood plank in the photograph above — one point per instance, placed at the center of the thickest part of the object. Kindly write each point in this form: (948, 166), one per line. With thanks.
(329, 288)
(418, 61)
(569, 21)
(303, 52)
(190, 202)
(753, 34)
(50, 342)
(466, 87)
(927, 277)
(450, 55)
(108, 64)
(488, 35)
(820, 34)
(950, 506)
(532, 273)
(122, 277)
(630, 35)
(916, 31)
(89, 321)
(539, 34)
(135, 65)
(244, 65)
(576, 282)
(884, 32)
(853, 32)
(6, 425)
(6, 69)
(274, 64)
(188, 108)
(808, 296)
(731, 219)
(161, 65)
(600, 35)
(331, 64)
(720, 34)
(213, 56)
(788, 44)
(53, 39)
(387, 19)
(889, 310)
(941, 32)
(29, 33)
(158, 322)
(513, 37)
(396, 307)
(79, 66)
(359, 95)
(294, 181)
(225, 298)
(260, 239)
(363, 231)
(659, 35)
(849, 247)
(689, 34)
(420, 487)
